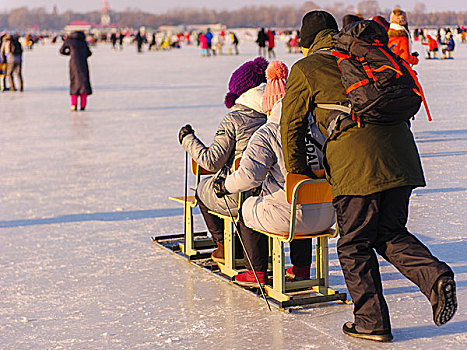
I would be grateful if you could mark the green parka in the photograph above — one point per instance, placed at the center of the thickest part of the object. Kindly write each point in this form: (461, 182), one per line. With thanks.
(362, 161)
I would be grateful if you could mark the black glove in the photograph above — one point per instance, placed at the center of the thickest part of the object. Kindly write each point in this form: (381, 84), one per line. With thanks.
(415, 54)
(219, 183)
(185, 130)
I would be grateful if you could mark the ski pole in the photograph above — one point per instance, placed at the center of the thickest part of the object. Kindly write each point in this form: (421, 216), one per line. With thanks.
(237, 231)
(186, 199)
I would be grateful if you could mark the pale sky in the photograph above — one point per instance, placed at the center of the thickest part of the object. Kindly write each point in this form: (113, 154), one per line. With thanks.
(161, 6)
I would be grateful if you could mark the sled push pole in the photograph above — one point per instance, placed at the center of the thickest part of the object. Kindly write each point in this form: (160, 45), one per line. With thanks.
(301, 189)
(190, 247)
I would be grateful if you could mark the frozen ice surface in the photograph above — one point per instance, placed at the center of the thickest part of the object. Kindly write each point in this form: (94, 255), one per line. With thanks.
(83, 192)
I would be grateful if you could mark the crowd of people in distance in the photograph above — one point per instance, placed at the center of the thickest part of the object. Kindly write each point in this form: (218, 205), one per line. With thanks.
(212, 44)
(373, 169)
(443, 37)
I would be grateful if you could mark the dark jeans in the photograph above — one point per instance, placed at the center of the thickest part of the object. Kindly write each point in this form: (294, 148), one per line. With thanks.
(215, 224)
(377, 222)
(256, 245)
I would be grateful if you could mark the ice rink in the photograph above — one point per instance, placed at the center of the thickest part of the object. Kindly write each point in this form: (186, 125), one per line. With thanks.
(81, 194)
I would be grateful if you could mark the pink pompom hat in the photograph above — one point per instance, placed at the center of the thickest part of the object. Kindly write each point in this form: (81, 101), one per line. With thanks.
(276, 74)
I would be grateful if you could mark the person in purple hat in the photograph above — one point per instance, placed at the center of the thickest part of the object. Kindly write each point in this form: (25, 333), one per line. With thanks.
(245, 116)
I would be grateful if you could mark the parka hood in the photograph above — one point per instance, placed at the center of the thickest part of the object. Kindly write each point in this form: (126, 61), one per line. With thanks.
(323, 40)
(77, 35)
(253, 98)
(397, 30)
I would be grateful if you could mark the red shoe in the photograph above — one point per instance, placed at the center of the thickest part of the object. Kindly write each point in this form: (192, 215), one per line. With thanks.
(298, 273)
(247, 279)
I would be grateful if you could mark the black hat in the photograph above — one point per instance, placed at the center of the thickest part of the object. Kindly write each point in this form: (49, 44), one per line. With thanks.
(314, 22)
(350, 19)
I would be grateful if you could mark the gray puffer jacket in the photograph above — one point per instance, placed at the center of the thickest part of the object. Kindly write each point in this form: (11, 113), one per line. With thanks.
(231, 139)
(263, 163)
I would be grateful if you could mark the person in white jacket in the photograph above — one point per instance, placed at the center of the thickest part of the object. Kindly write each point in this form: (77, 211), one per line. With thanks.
(245, 116)
(263, 165)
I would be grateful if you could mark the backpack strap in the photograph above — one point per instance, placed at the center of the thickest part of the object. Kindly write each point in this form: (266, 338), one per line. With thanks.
(420, 89)
(334, 107)
(334, 121)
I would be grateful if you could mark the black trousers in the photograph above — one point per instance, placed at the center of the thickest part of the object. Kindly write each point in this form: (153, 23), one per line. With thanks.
(215, 224)
(256, 245)
(377, 223)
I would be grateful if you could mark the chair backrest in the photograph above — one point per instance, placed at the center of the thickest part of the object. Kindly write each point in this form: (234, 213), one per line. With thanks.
(237, 162)
(197, 169)
(308, 190)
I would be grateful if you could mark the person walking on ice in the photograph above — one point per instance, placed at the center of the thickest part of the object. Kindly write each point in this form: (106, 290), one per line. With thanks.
(76, 47)
(373, 169)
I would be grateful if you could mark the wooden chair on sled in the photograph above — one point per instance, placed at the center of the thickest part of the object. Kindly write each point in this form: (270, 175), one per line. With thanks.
(301, 189)
(196, 243)
(231, 267)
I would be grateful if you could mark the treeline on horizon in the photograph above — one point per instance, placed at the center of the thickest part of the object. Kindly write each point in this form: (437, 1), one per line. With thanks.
(24, 18)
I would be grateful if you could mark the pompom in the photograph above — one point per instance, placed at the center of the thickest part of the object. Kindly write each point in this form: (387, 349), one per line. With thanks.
(260, 65)
(230, 99)
(276, 70)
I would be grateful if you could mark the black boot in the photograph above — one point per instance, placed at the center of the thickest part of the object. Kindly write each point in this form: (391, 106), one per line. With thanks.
(443, 300)
(382, 336)
(218, 254)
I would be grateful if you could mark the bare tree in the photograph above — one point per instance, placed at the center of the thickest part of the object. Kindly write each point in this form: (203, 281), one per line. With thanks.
(419, 8)
(368, 8)
(249, 16)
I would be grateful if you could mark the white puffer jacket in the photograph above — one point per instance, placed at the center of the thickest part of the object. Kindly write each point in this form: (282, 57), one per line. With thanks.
(231, 139)
(263, 163)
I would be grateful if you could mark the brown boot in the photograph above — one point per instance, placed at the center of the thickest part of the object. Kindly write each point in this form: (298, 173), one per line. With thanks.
(218, 254)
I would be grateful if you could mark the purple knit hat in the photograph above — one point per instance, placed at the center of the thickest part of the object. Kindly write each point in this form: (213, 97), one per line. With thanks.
(247, 76)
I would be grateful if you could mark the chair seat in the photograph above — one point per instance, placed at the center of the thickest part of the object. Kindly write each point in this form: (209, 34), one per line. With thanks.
(222, 216)
(328, 233)
(190, 200)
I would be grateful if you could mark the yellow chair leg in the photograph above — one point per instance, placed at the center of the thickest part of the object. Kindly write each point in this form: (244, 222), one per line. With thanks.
(278, 272)
(229, 268)
(190, 239)
(322, 264)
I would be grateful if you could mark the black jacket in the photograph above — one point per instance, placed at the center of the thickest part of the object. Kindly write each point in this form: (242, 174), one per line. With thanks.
(76, 47)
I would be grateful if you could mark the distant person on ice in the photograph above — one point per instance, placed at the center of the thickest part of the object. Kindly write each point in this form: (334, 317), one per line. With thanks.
(432, 47)
(12, 52)
(76, 47)
(261, 41)
(271, 34)
(400, 41)
(245, 116)
(450, 45)
(113, 39)
(140, 39)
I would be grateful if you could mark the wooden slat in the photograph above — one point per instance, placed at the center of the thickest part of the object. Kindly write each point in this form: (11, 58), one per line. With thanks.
(328, 233)
(190, 199)
(222, 216)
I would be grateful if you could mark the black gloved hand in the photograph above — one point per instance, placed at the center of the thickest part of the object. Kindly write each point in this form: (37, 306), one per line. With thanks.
(415, 54)
(219, 188)
(219, 183)
(185, 130)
